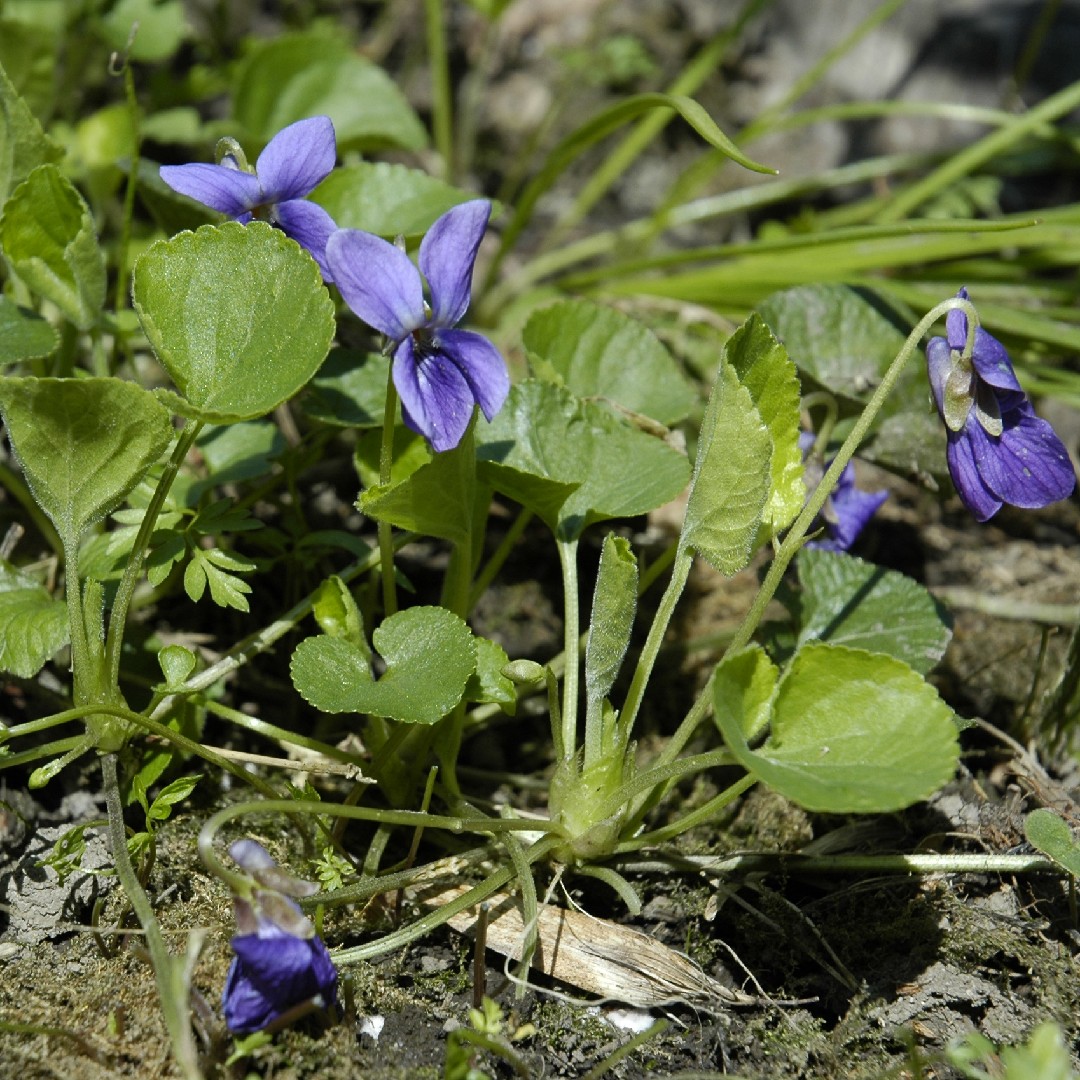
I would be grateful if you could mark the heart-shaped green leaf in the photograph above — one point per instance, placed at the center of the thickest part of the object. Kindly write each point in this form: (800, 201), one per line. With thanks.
(48, 239)
(601, 353)
(162, 28)
(83, 443)
(732, 478)
(387, 199)
(842, 339)
(847, 601)
(33, 626)
(237, 314)
(349, 389)
(429, 653)
(852, 732)
(575, 463)
(293, 76)
(436, 499)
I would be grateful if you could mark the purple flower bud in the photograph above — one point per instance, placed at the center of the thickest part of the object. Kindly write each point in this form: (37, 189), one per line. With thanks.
(998, 450)
(280, 961)
(295, 161)
(440, 373)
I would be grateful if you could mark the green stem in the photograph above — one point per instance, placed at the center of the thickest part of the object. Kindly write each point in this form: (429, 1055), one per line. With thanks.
(133, 570)
(793, 541)
(46, 750)
(169, 973)
(661, 563)
(32, 727)
(441, 98)
(700, 816)
(281, 735)
(680, 572)
(84, 659)
(571, 645)
(385, 529)
(499, 556)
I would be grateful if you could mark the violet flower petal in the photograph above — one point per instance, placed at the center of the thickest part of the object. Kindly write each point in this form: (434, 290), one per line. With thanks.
(481, 365)
(852, 509)
(938, 367)
(1027, 466)
(377, 281)
(973, 492)
(229, 191)
(436, 400)
(447, 254)
(271, 974)
(310, 226)
(297, 159)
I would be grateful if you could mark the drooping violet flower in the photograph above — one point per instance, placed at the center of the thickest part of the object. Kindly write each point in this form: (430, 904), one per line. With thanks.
(847, 509)
(439, 372)
(293, 163)
(281, 964)
(998, 450)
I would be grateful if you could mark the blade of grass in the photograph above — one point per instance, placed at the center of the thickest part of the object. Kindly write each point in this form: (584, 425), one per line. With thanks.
(700, 67)
(972, 157)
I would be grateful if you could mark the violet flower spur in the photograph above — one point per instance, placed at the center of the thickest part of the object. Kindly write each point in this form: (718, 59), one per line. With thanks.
(293, 163)
(998, 450)
(847, 510)
(281, 964)
(439, 372)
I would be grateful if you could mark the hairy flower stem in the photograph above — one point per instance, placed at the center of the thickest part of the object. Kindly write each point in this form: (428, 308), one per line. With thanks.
(385, 529)
(499, 556)
(169, 971)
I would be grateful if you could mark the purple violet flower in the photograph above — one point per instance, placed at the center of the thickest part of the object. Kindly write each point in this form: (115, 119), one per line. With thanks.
(281, 964)
(847, 509)
(439, 372)
(998, 450)
(294, 162)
